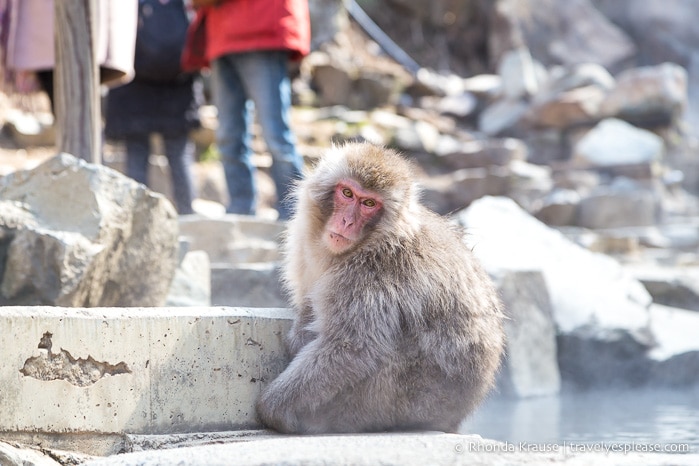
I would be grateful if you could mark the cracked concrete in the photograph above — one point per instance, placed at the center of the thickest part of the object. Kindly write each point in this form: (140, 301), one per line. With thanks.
(98, 373)
(63, 366)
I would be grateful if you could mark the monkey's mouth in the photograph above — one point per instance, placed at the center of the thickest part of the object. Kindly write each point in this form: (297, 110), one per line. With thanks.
(338, 238)
(337, 243)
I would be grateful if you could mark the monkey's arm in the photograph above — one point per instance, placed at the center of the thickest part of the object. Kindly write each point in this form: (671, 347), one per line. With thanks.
(301, 332)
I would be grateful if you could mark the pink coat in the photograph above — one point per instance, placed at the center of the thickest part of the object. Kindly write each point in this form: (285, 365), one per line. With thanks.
(30, 37)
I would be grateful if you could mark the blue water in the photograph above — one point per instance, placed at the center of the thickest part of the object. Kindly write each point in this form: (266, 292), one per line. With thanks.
(609, 417)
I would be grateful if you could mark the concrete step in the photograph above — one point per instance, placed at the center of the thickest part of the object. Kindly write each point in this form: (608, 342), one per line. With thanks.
(246, 285)
(81, 378)
(233, 238)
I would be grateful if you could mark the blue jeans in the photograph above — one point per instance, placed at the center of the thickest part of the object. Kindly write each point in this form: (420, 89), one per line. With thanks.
(179, 150)
(240, 83)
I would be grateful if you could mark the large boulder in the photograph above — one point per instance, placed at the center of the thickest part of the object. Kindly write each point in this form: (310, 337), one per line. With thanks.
(77, 234)
(569, 33)
(600, 311)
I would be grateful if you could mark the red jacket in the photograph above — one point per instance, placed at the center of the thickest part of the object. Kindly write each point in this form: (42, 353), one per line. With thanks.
(245, 25)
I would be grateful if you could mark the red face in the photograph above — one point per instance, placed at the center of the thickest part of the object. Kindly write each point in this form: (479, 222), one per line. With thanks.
(353, 208)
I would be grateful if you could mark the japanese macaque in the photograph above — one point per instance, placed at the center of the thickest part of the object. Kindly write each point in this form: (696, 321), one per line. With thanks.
(398, 327)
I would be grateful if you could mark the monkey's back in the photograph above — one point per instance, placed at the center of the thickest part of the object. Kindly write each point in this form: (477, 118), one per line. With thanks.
(450, 338)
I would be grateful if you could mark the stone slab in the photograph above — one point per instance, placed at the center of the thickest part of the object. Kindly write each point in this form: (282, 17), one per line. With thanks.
(137, 370)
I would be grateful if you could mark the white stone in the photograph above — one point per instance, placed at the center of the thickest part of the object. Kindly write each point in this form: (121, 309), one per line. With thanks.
(586, 288)
(676, 331)
(616, 142)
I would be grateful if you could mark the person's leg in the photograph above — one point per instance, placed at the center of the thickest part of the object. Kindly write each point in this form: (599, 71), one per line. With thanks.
(137, 154)
(179, 150)
(266, 81)
(232, 135)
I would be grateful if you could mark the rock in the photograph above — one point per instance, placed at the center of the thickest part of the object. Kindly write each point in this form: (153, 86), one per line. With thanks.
(30, 129)
(191, 285)
(459, 106)
(618, 206)
(475, 154)
(77, 234)
(420, 136)
(327, 19)
(334, 84)
(501, 116)
(531, 367)
(578, 106)
(373, 90)
(233, 238)
(600, 311)
(518, 73)
(562, 79)
(528, 183)
(546, 146)
(572, 33)
(453, 191)
(676, 353)
(430, 83)
(670, 286)
(615, 142)
(14, 456)
(559, 207)
(662, 31)
(248, 285)
(650, 95)
(484, 86)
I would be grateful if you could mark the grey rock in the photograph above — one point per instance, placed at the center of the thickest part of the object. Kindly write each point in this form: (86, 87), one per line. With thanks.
(676, 353)
(579, 106)
(517, 70)
(651, 95)
(615, 142)
(475, 154)
(600, 310)
(531, 367)
(77, 234)
(191, 285)
(233, 239)
(248, 285)
(613, 206)
(16, 456)
(574, 32)
(501, 116)
(559, 207)
(671, 286)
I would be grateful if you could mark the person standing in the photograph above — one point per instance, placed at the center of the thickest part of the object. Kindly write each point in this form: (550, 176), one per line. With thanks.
(161, 99)
(249, 44)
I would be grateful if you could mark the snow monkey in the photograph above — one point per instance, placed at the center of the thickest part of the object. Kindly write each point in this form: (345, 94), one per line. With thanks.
(397, 327)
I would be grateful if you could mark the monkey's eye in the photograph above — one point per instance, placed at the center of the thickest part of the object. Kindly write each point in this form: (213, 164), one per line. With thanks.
(347, 192)
(369, 203)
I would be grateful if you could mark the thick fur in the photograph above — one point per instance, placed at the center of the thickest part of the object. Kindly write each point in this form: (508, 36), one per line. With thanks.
(403, 331)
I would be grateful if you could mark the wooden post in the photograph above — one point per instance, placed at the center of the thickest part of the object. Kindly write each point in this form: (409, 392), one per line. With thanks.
(76, 79)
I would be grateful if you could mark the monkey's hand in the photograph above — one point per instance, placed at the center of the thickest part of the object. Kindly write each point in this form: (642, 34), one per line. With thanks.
(302, 332)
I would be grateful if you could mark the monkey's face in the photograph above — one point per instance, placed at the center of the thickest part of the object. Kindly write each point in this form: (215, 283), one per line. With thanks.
(354, 209)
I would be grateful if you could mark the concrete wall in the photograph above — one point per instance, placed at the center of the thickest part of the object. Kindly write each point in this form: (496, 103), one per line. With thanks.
(136, 370)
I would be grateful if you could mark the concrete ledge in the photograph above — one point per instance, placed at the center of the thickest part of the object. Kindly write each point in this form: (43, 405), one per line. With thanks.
(106, 371)
(404, 449)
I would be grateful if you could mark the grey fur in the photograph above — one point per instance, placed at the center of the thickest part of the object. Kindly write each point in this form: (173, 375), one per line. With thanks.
(402, 332)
